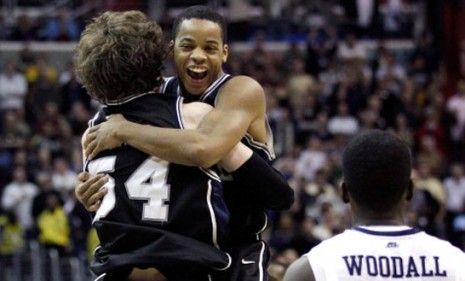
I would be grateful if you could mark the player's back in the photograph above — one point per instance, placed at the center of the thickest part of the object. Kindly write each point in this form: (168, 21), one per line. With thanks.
(386, 253)
(152, 202)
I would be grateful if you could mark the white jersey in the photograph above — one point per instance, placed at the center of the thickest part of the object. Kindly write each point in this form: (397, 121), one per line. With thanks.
(386, 253)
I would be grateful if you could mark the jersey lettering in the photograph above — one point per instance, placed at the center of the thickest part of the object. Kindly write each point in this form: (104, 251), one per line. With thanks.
(394, 266)
(147, 182)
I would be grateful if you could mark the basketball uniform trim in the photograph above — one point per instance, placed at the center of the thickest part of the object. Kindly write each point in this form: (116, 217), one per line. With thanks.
(100, 277)
(179, 102)
(213, 86)
(167, 80)
(92, 121)
(128, 99)
(260, 146)
(212, 215)
(228, 265)
(260, 262)
(264, 226)
(404, 232)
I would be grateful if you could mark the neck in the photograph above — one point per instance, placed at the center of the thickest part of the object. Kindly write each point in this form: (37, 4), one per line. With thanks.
(371, 218)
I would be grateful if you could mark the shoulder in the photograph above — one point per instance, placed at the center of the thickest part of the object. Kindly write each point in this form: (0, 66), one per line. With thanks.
(242, 94)
(325, 247)
(242, 87)
(193, 113)
(444, 245)
(299, 270)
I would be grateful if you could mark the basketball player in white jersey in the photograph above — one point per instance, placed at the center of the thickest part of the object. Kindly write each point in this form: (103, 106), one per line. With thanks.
(376, 167)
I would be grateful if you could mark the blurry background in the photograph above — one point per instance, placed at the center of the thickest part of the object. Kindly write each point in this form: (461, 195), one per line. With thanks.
(330, 69)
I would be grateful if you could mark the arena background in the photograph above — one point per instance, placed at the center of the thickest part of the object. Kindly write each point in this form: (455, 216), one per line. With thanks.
(330, 69)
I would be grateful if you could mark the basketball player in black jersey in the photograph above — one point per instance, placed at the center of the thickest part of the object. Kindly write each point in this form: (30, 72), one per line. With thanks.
(200, 49)
(156, 214)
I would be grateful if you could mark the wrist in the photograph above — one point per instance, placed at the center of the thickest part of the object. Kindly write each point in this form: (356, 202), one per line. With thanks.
(121, 134)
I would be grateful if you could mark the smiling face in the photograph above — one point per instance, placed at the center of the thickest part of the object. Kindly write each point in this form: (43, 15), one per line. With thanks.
(199, 52)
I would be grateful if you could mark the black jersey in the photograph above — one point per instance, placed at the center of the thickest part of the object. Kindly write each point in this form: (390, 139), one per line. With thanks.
(247, 218)
(156, 213)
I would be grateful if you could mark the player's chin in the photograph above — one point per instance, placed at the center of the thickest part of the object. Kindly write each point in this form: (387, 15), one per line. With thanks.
(196, 86)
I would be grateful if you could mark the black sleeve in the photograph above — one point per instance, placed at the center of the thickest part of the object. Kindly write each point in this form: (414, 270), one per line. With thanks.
(258, 179)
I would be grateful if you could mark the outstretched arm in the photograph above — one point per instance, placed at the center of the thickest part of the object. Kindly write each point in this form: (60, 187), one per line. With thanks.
(240, 102)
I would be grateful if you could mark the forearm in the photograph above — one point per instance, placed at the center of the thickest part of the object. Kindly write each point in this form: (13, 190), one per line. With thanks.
(186, 147)
(261, 181)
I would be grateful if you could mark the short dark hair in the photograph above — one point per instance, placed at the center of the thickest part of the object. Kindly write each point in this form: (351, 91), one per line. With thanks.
(120, 54)
(376, 167)
(203, 13)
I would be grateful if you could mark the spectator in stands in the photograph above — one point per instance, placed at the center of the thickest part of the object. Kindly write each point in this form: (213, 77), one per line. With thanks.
(44, 181)
(454, 186)
(311, 159)
(78, 116)
(53, 225)
(17, 198)
(24, 30)
(403, 130)
(11, 235)
(80, 224)
(71, 91)
(282, 235)
(429, 199)
(343, 123)
(456, 106)
(15, 131)
(43, 79)
(62, 27)
(299, 83)
(63, 178)
(13, 88)
(351, 50)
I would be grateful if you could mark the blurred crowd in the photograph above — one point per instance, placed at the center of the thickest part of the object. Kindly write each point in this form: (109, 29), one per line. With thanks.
(318, 97)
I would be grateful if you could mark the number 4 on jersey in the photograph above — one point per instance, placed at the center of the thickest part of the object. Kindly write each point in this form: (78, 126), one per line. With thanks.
(148, 182)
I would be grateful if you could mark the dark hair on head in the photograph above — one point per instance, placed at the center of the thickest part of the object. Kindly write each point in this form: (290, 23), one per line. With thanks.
(119, 55)
(203, 13)
(376, 167)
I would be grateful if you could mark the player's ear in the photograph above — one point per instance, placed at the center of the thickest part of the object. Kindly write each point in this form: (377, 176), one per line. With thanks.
(171, 48)
(410, 190)
(225, 52)
(345, 193)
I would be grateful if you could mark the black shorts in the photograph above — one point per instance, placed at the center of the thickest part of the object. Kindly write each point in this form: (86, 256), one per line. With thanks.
(250, 262)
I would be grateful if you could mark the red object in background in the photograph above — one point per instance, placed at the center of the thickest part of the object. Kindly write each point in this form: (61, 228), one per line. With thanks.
(453, 43)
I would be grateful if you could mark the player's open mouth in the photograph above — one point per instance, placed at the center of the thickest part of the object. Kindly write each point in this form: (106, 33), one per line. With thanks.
(197, 75)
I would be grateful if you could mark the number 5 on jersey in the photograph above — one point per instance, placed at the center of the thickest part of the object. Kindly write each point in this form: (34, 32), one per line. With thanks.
(147, 182)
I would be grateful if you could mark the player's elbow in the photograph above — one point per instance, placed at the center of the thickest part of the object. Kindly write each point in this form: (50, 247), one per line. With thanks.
(202, 156)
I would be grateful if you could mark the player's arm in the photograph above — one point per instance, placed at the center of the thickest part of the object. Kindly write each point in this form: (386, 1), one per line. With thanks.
(240, 102)
(90, 190)
(299, 270)
(256, 177)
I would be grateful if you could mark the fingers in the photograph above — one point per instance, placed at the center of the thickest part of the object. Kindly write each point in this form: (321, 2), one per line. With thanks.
(83, 176)
(97, 197)
(94, 207)
(96, 150)
(90, 149)
(90, 135)
(93, 186)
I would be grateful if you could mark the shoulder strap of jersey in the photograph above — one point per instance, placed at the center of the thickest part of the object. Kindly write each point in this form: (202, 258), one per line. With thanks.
(209, 96)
